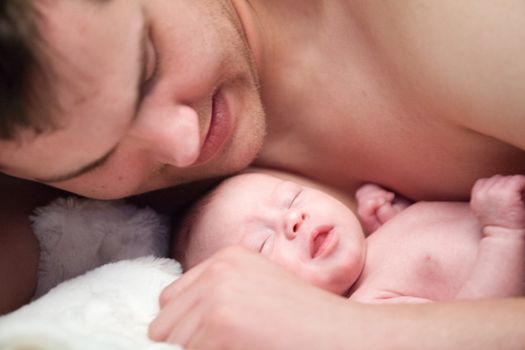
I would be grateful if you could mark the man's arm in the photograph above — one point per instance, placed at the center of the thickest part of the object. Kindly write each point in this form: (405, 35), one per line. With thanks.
(19, 250)
(240, 300)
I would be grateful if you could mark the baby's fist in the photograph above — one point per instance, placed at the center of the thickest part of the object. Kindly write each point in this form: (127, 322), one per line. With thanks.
(498, 201)
(374, 206)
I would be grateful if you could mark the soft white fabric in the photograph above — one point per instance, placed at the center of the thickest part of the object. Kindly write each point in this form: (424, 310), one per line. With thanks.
(76, 235)
(108, 308)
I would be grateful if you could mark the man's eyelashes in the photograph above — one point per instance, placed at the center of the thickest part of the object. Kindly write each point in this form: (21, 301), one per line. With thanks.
(152, 65)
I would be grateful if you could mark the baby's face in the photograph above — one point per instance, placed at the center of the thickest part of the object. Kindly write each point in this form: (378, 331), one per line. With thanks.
(295, 225)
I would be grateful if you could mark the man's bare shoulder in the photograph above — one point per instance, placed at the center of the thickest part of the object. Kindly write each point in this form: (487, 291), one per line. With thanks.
(464, 58)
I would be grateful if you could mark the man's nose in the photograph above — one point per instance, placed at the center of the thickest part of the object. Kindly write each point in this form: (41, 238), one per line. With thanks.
(170, 134)
(293, 222)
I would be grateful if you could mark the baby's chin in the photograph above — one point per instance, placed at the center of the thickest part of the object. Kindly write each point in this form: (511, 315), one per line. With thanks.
(344, 276)
(339, 284)
(338, 289)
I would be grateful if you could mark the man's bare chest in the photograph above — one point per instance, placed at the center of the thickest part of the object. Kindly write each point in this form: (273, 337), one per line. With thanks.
(419, 156)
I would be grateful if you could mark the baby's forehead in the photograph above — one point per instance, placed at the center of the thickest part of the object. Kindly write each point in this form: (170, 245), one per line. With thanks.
(201, 229)
(251, 182)
(238, 184)
(250, 179)
(230, 193)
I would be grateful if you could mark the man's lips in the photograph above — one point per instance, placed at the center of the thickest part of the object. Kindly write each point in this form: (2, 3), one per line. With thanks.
(323, 241)
(219, 130)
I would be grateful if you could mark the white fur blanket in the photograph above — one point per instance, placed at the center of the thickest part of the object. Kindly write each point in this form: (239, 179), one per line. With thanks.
(96, 308)
(108, 308)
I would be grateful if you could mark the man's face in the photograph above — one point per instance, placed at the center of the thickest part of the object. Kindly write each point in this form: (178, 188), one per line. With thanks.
(298, 226)
(150, 94)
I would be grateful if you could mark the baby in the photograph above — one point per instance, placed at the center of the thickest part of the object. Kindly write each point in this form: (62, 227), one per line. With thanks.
(427, 251)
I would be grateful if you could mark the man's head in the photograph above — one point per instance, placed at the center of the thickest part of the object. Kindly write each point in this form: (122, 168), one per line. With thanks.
(143, 93)
(22, 73)
(286, 219)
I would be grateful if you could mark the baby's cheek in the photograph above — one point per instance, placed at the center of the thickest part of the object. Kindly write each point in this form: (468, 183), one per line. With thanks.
(293, 264)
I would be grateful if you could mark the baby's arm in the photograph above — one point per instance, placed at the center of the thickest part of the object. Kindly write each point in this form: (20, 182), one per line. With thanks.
(376, 205)
(500, 265)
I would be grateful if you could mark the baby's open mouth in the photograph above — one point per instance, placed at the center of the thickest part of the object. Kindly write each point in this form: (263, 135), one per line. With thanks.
(320, 241)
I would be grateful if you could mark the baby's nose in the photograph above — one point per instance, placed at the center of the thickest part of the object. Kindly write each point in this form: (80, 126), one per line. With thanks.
(293, 222)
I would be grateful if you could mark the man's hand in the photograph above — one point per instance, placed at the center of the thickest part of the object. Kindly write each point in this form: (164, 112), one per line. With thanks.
(240, 300)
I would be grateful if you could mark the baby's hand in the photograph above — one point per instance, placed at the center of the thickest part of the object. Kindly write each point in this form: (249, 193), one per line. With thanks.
(375, 206)
(498, 201)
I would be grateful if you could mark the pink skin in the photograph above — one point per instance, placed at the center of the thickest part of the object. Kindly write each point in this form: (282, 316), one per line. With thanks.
(215, 289)
(376, 206)
(498, 204)
(293, 224)
(498, 201)
(314, 235)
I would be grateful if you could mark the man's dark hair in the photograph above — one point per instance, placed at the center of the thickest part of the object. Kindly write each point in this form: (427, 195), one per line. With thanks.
(23, 75)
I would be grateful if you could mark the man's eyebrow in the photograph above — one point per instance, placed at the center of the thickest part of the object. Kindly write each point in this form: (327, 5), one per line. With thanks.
(142, 61)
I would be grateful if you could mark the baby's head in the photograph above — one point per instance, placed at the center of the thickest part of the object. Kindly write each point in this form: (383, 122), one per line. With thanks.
(285, 218)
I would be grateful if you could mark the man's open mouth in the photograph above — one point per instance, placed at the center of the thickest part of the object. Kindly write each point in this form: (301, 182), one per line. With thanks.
(220, 127)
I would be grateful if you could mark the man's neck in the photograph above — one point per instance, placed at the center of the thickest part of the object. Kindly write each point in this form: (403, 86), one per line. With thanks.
(315, 63)
(273, 26)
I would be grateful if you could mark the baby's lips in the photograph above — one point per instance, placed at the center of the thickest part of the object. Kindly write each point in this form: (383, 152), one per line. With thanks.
(318, 240)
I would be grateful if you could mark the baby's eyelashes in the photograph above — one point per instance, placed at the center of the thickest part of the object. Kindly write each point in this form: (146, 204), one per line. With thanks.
(266, 246)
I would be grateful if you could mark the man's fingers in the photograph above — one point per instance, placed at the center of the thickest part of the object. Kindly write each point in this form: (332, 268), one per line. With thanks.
(171, 314)
(224, 258)
(187, 278)
(200, 297)
(183, 331)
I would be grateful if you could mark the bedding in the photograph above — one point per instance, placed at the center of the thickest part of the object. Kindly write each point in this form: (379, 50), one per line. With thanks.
(102, 267)
(108, 308)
